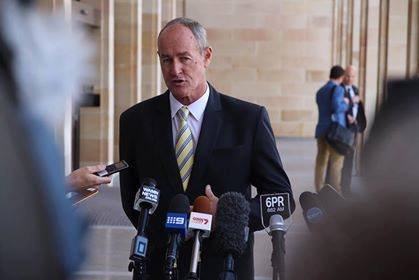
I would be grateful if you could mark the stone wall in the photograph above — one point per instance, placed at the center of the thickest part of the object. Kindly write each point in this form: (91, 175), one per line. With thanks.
(273, 53)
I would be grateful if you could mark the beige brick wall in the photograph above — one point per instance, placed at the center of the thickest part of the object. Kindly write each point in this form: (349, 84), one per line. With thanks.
(274, 53)
(397, 38)
(95, 121)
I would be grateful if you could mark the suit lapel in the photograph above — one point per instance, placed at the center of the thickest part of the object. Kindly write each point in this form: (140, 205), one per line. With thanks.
(162, 130)
(208, 137)
(355, 89)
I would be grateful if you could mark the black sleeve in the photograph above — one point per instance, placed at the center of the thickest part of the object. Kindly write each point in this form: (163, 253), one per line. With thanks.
(129, 177)
(268, 175)
(361, 119)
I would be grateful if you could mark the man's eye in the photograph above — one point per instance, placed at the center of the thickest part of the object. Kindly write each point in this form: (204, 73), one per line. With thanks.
(165, 61)
(185, 59)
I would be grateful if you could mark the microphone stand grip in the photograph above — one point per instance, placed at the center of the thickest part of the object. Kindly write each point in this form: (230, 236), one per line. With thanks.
(228, 273)
(193, 274)
(139, 270)
(171, 272)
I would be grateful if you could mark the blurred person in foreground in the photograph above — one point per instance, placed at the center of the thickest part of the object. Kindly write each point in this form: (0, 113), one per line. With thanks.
(332, 106)
(193, 136)
(41, 235)
(356, 121)
(374, 237)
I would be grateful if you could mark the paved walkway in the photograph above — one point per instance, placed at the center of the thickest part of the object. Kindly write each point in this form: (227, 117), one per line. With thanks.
(110, 235)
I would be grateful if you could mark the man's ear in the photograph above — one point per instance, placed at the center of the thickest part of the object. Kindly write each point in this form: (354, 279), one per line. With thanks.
(207, 56)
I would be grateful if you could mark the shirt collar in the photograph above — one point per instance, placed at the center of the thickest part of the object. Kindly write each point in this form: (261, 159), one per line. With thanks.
(196, 109)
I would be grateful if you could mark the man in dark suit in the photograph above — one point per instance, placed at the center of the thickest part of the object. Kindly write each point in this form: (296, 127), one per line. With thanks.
(195, 140)
(356, 121)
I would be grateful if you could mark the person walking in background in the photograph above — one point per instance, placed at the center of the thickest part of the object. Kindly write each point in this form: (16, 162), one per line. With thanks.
(332, 106)
(356, 121)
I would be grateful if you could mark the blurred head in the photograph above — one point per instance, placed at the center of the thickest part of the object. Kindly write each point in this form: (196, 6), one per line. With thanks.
(350, 74)
(48, 73)
(184, 57)
(337, 73)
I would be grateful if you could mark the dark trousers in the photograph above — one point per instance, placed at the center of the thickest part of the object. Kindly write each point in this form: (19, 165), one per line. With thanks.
(346, 177)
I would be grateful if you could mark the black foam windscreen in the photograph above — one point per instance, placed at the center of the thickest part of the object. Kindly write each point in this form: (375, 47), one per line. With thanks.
(231, 221)
(149, 182)
(179, 204)
(308, 200)
(313, 211)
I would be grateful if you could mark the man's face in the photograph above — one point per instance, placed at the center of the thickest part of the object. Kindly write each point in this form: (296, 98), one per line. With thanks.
(182, 64)
(349, 78)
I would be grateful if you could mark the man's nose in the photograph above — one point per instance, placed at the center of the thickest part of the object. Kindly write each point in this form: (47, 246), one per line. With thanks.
(176, 68)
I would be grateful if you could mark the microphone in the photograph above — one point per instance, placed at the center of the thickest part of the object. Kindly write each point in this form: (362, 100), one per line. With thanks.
(232, 230)
(200, 223)
(273, 208)
(147, 196)
(324, 206)
(146, 201)
(324, 215)
(176, 225)
(277, 231)
(313, 212)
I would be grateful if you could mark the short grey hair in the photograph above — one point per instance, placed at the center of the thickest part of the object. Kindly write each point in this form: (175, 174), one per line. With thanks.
(195, 27)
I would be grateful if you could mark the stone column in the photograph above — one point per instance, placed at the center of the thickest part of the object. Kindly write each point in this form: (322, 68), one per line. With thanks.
(412, 57)
(397, 38)
(151, 80)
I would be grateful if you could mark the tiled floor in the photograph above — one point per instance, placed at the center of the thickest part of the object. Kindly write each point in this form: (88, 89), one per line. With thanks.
(110, 234)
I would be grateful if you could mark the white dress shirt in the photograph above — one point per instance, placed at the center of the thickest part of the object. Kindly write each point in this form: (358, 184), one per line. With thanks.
(195, 118)
(355, 105)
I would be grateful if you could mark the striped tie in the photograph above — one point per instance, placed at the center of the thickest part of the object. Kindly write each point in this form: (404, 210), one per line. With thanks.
(184, 146)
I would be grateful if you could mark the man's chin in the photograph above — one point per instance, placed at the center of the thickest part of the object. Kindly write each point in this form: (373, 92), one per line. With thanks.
(181, 96)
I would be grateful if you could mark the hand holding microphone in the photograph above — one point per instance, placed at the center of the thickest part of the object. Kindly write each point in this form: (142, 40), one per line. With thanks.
(85, 177)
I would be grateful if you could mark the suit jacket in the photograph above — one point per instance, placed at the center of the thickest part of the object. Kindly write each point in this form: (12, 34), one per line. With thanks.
(361, 120)
(236, 149)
